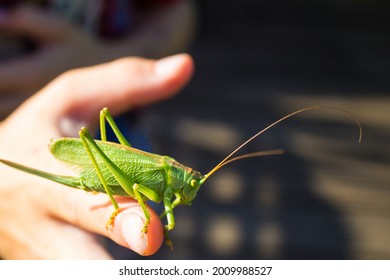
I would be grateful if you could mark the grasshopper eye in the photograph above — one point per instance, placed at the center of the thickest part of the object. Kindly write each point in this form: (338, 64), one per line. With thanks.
(194, 183)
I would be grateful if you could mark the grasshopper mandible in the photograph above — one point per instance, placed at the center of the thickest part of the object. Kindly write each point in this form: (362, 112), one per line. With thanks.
(121, 170)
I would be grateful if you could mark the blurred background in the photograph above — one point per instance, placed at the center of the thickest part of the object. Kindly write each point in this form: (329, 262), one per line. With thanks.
(328, 196)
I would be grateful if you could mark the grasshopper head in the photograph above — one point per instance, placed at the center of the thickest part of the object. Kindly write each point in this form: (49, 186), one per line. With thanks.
(193, 182)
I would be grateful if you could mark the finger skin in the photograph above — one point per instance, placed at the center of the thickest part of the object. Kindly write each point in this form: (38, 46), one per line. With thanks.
(92, 211)
(119, 85)
(128, 82)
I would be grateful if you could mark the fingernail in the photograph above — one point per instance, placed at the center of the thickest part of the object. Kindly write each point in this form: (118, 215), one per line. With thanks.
(131, 231)
(168, 65)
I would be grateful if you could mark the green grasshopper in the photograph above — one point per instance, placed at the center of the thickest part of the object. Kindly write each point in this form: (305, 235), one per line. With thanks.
(121, 170)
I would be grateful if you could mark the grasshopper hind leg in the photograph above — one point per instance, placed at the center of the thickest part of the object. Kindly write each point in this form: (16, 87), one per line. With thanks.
(105, 115)
(132, 189)
(168, 212)
(84, 136)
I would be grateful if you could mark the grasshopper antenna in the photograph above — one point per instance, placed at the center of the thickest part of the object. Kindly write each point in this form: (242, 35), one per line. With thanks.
(229, 158)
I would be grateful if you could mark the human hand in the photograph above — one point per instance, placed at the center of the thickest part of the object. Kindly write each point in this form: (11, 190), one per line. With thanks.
(41, 219)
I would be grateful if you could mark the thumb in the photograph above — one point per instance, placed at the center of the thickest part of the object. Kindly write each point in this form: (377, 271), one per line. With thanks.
(92, 211)
(36, 23)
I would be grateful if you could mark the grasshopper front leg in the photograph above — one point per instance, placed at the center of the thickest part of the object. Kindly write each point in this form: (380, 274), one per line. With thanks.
(174, 204)
(168, 211)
